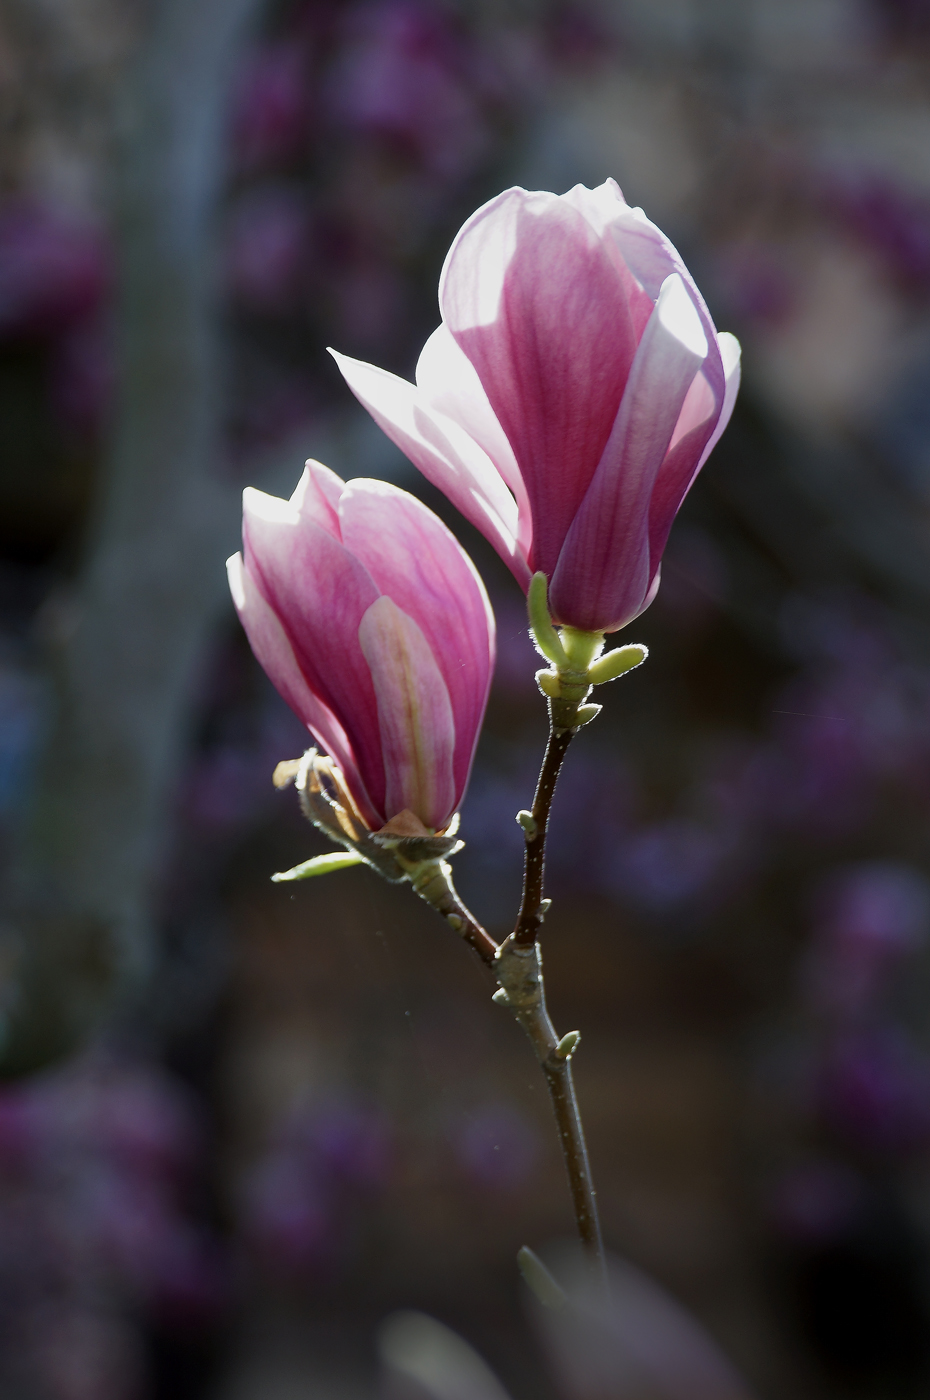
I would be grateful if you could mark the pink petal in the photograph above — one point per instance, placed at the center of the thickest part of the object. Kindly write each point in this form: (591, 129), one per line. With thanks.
(651, 258)
(320, 593)
(604, 573)
(418, 563)
(649, 255)
(316, 496)
(274, 654)
(729, 348)
(692, 443)
(444, 453)
(415, 715)
(449, 381)
(533, 298)
(603, 208)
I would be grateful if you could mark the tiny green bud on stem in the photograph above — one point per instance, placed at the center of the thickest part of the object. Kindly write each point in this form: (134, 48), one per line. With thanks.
(617, 663)
(567, 1046)
(527, 821)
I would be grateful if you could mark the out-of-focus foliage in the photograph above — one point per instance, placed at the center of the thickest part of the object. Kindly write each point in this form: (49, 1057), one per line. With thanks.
(739, 843)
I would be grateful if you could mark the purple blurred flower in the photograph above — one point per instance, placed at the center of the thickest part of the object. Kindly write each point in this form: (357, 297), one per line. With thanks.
(891, 219)
(271, 409)
(272, 109)
(192, 1283)
(813, 775)
(351, 1143)
(82, 377)
(867, 919)
(756, 286)
(674, 865)
(816, 1202)
(577, 37)
(496, 1145)
(18, 1129)
(95, 1161)
(54, 271)
(873, 1088)
(694, 580)
(125, 1218)
(299, 1198)
(399, 77)
(878, 906)
(368, 301)
(902, 19)
(135, 1119)
(267, 249)
(854, 717)
(496, 793)
(225, 789)
(590, 823)
(517, 658)
(815, 778)
(288, 1215)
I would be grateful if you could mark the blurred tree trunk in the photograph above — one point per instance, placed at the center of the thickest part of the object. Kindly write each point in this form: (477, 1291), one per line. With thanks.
(126, 642)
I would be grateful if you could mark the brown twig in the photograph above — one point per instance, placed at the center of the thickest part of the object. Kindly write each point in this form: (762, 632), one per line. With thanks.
(526, 991)
(517, 962)
(531, 912)
(518, 965)
(433, 882)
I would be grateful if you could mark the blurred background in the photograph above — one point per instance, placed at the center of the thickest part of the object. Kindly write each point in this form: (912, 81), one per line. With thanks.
(240, 1123)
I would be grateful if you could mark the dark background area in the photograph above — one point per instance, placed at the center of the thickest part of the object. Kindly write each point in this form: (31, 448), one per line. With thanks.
(242, 1123)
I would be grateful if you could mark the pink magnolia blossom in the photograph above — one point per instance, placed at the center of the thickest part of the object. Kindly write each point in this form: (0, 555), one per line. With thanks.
(372, 622)
(571, 395)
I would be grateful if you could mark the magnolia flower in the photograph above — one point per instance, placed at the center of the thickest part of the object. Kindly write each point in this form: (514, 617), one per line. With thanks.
(373, 624)
(571, 395)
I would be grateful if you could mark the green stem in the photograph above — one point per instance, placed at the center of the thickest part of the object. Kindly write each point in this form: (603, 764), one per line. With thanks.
(518, 968)
(519, 971)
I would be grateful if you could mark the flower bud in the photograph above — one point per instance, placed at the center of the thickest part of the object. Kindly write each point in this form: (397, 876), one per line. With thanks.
(570, 397)
(373, 624)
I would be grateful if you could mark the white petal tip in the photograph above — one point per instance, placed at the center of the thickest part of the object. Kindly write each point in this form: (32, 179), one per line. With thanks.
(261, 506)
(679, 315)
(235, 573)
(730, 351)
